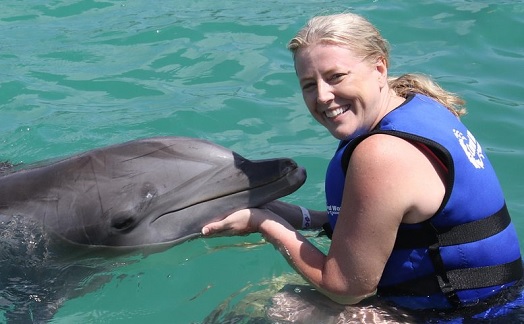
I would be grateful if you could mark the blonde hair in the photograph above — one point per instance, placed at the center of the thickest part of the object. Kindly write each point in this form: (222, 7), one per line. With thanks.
(354, 32)
(409, 83)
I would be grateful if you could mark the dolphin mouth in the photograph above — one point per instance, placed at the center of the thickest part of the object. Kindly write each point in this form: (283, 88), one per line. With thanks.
(292, 177)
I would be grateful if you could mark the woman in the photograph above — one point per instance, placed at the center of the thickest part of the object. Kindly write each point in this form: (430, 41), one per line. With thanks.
(414, 205)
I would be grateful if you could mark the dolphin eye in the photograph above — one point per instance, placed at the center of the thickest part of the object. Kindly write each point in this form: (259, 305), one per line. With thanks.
(123, 223)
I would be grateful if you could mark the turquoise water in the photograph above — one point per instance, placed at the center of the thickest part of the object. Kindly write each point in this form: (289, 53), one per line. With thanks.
(76, 75)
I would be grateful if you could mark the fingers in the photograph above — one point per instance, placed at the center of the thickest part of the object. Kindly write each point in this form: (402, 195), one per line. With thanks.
(225, 227)
(206, 231)
(235, 224)
(211, 229)
(241, 222)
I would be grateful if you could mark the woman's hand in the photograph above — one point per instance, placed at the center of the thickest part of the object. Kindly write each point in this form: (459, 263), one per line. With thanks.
(242, 222)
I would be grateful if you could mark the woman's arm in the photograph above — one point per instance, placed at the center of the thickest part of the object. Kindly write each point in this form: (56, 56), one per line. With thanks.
(388, 181)
(299, 252)
(307, 260)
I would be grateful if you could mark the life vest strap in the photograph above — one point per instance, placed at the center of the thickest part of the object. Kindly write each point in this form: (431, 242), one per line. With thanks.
(459, 279)
(449, 281)
(460, 234)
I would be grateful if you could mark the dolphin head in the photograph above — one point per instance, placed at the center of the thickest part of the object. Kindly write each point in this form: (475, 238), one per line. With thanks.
(158, 191)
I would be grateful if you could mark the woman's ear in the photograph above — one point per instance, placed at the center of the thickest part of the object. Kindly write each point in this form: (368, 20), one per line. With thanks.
(382, 69)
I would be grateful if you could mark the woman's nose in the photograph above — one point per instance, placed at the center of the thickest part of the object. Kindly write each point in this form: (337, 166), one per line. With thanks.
(324, 93)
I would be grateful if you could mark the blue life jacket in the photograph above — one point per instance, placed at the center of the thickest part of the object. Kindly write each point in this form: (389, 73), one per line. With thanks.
(466, 252)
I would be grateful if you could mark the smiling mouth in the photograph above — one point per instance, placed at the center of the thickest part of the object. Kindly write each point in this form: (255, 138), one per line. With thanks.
(336, 112)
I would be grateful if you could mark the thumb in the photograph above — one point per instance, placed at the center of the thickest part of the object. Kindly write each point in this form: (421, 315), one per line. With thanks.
(210, 228)
(206, 230)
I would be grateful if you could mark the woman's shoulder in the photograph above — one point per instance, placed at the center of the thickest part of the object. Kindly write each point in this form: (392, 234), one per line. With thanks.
(381, 145)
(388, 157)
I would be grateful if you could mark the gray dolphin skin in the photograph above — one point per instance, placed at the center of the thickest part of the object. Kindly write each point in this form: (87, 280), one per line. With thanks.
(150, 191)
(154, 192)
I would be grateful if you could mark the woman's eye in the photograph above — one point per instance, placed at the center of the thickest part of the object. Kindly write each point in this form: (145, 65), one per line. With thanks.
(336, 76)
(308, 86)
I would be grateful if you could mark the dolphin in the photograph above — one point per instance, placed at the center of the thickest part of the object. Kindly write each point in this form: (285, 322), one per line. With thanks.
(153, 192)
(150, 191)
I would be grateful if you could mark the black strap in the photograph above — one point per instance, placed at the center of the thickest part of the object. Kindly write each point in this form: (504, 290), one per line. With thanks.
(460, 279)
(481, 277)
(477, 230)
(441, 275)
(460, 234)
(450, 281)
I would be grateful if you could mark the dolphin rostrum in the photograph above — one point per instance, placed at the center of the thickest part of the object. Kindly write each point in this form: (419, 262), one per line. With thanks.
(149, 192)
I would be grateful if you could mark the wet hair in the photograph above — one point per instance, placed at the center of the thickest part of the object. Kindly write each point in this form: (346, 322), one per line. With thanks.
(357, 34)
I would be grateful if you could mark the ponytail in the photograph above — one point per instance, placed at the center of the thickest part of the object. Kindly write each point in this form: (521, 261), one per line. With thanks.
(407, 84)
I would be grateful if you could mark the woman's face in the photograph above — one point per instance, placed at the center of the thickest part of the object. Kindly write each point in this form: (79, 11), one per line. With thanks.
(342, 91)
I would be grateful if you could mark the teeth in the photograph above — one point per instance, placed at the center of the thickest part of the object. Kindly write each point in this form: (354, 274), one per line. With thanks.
(336, 112)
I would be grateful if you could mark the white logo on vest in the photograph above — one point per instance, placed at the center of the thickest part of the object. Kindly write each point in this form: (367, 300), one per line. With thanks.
(333, 210)
(471, 148)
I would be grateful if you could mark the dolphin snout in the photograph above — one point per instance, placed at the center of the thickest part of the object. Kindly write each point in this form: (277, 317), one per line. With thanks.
(290, 167)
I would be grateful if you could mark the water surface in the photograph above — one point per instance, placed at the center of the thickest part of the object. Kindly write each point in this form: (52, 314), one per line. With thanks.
(76, 75)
